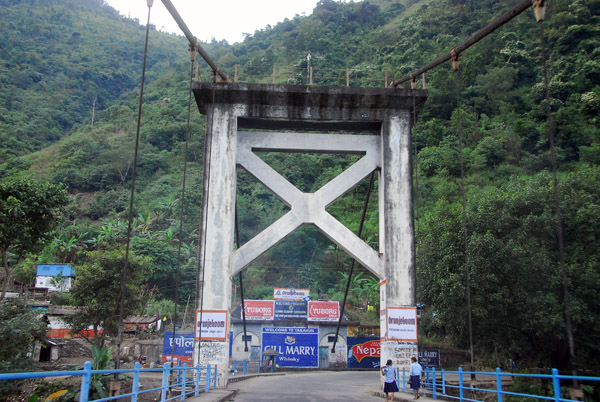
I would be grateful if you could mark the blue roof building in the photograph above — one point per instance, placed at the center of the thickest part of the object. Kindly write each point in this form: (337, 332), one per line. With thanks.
(55, 277)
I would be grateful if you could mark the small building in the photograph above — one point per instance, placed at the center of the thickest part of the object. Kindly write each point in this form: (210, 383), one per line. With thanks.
(54, 277)
(47, 351)
(141, 323)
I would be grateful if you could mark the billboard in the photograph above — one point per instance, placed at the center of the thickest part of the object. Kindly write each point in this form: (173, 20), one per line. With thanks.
(297, 347)
(324, 311)
(184, 347)
(211, 325)
(259, 310)
(364, 352)
(429, 357)
(402, 324)
(291, 294)
(290, 310)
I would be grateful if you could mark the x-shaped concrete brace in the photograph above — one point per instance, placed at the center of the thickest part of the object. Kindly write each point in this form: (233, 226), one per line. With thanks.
(308, 208)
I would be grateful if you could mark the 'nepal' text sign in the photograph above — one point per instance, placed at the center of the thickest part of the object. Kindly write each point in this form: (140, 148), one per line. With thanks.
(259, 309)
(291, 294)
(211, 325)
(298, 347)
(290, 310)
(183, 349)
(324, 311)
(402, 324)
(363, 352)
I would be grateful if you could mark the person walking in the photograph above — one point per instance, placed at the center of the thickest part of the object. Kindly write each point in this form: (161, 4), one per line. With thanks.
(390, 386)
(415, 377)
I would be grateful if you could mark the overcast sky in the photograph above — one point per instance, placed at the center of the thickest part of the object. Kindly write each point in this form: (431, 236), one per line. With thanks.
(221, 19)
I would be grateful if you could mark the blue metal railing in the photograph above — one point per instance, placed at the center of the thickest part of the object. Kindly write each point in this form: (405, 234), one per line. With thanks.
(451, 384)
(190, 381)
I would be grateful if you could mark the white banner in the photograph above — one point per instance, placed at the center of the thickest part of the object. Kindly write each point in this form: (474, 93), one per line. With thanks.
(211, 325)
(402, 324)
(291, 294)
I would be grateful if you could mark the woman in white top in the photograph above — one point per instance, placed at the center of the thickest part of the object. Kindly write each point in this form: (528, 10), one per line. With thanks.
(389, 385)
(415, 376)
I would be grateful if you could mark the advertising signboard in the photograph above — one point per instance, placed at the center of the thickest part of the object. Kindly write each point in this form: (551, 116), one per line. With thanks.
(429, 357)
(402, 324)
(291, 294)
(298, 347)
(290, 310)
(211, 325)
(259, 310)
(324, 311)
(363, 352)
(183, 350)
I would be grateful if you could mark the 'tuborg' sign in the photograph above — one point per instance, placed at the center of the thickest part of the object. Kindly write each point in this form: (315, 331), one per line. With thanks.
(259, 309)
(323, 311)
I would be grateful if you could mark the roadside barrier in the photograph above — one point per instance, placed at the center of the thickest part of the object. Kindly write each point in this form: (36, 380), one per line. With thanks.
(442, 384)
(178, 382)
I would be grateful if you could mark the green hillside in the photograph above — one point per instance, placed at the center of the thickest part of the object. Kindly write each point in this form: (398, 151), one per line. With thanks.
(59, 56)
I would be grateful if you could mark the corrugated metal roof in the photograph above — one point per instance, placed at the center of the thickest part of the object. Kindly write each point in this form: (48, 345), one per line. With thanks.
(55, 270)
(140, 320)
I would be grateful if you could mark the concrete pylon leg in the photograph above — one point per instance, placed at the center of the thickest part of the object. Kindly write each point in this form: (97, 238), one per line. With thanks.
(398, 238)
(217, 227)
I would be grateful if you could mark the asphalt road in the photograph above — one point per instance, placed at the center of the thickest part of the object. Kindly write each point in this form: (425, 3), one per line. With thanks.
(309, 387)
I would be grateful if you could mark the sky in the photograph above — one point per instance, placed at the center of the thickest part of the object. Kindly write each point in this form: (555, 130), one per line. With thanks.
(221, 19)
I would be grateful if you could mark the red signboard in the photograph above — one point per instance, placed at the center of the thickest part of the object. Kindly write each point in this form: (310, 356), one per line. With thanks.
(259, 309)
(367, 349)
(66, 333)
(323, 311)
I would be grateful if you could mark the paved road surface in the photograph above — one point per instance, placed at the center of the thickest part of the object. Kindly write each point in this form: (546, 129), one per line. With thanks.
(309, 387)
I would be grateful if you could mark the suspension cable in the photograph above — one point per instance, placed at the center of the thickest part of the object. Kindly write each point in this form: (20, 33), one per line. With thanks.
(182, 214)
(124, 273)
(455, 65)
(237, 241)
(497, 23)
(416, 188)
(556, 193)
(360, 229)
(193, 40)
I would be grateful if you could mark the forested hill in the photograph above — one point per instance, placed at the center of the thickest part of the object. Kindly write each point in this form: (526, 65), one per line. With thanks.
(61, 58)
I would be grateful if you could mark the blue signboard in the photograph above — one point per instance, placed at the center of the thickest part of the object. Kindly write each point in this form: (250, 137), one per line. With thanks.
(184, 344)
(298, 347)
(363, 352)
(291, 310)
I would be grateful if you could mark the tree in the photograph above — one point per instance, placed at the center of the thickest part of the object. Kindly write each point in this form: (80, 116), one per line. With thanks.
(96, 290)
(516, 285)
(28, 214)
(20, 328)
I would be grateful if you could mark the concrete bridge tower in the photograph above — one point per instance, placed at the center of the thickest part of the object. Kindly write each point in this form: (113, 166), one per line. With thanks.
(372, 122)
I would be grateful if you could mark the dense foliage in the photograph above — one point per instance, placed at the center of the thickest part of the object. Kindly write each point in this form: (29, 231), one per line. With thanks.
(20, 328)
(98, 290)
(94, 63)
(28, 214)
